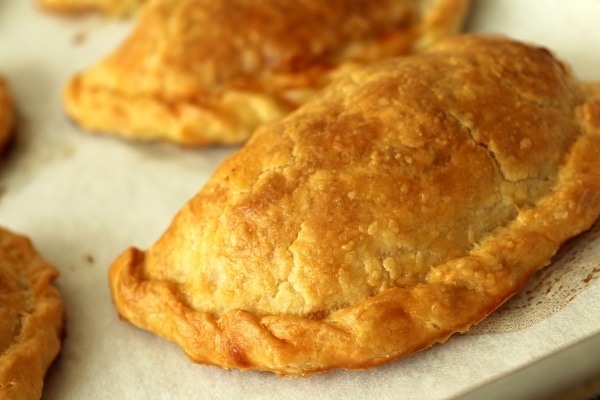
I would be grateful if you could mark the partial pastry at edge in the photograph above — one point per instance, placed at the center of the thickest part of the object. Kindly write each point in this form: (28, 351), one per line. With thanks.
(398, 207)
(115, 8)
(7, 115)
(31, 318)
(200, 72)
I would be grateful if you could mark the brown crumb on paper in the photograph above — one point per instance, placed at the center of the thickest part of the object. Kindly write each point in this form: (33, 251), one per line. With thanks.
(79, 38)
(89, 258)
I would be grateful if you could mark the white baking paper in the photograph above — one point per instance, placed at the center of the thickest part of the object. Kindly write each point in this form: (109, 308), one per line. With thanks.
(83, 199)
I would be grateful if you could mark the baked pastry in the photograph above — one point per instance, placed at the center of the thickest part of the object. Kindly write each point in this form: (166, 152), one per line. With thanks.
(31, 318)
(116, 8)
(198, 72)
(7, 115)
(401, 205)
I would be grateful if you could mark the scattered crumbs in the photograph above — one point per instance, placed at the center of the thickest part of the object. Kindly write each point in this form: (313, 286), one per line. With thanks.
(551, 289)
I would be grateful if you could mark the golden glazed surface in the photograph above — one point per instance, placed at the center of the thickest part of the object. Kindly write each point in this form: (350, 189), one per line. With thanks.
(198, 72)
(403, 204)
(31, 318)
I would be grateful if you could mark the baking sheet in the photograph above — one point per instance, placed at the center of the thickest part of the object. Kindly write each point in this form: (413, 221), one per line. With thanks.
(84, 198)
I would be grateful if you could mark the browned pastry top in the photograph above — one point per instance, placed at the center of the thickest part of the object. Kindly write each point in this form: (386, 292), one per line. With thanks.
(402, 204)
(204, 71)
(31, 318)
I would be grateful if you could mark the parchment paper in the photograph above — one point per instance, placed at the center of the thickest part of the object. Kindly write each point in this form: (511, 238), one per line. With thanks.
(83, 199)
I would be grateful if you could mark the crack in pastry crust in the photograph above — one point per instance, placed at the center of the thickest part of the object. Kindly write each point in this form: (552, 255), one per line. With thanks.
(198, 72)
(31, 318)
(396, 208)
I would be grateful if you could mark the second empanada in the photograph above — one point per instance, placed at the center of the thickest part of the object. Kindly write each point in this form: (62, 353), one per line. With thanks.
(197, 72)
(403, 204)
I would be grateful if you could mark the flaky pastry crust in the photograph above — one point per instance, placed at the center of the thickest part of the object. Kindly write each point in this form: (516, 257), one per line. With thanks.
(7, 115)
(31, 318)
(199, 72)
(401, 205)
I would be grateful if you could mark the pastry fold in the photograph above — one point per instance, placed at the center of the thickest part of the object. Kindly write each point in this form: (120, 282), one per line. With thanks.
(200, 72)
(402, 204)
(31, 318)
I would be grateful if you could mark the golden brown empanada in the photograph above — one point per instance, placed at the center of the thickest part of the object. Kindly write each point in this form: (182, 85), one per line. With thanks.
(31, 318)
(117, 8)
(7, 115)
(401, 205)
(198, 72)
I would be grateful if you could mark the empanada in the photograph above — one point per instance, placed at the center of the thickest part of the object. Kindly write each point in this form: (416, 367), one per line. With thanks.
(31, 318)
(117, 8)
(7, 115)
(198, 72)
(402, 204)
